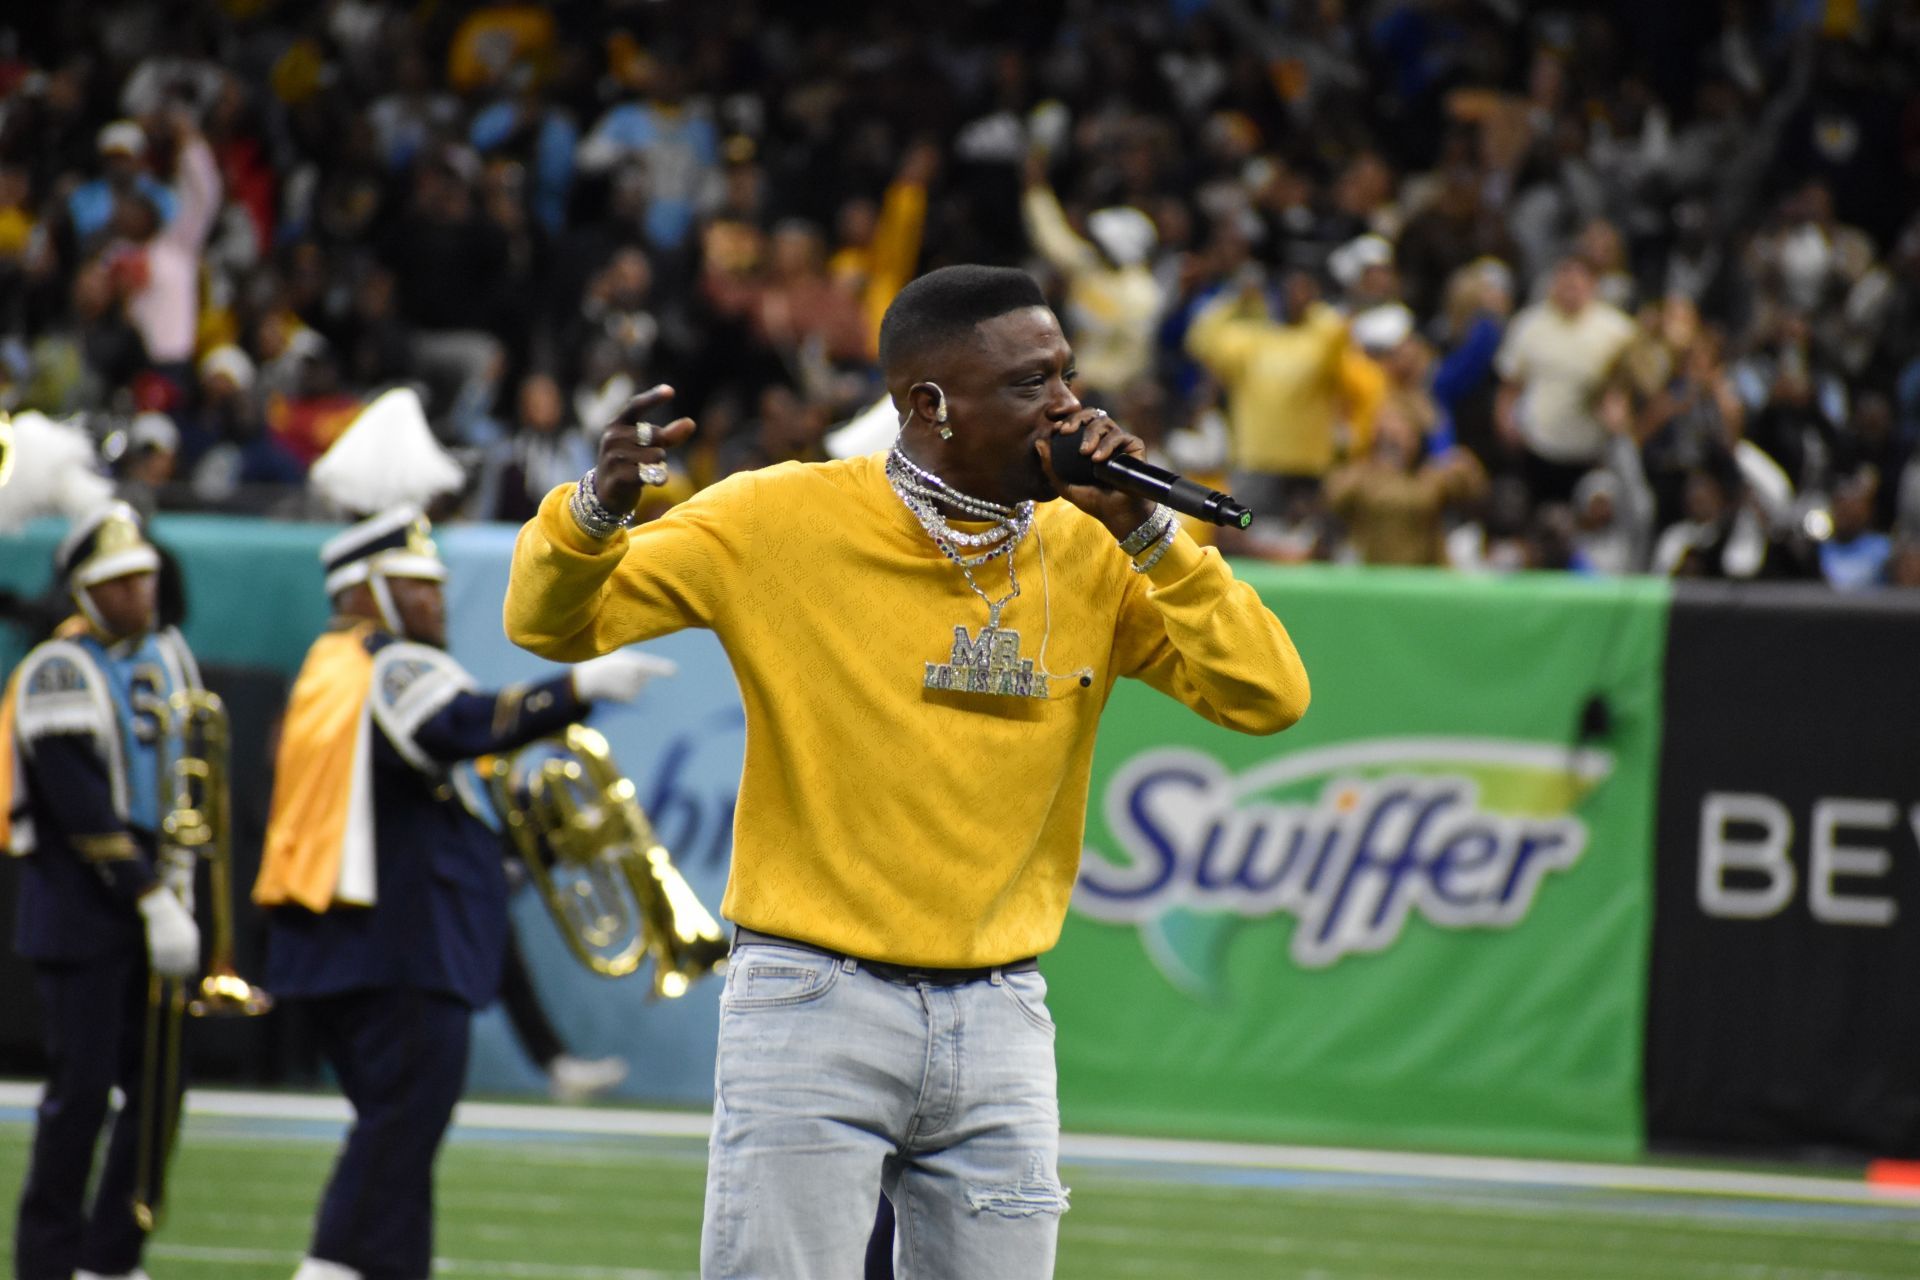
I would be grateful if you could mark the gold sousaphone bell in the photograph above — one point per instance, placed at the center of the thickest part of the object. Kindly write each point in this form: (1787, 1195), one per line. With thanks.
(576, 823)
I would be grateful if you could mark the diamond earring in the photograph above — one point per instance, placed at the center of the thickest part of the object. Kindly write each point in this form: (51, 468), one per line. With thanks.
(940, 420)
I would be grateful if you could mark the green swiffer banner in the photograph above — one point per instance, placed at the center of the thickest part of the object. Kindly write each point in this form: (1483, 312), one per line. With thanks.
(1419, 917)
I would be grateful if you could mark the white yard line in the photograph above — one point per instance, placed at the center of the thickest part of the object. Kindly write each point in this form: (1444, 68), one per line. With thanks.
(486, 1117)
(550, 1271)
(441, 1266)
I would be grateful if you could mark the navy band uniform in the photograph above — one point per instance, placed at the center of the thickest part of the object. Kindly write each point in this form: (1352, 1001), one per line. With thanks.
(85, 809)
(402, 934)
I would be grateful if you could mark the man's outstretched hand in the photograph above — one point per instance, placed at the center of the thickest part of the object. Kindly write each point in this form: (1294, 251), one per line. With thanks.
(629, 443)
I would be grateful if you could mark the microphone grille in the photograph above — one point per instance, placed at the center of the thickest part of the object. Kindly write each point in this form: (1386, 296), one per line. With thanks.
(1072, 466)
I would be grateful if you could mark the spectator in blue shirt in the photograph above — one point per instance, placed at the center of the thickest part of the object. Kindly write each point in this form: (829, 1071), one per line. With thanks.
(123, 161)
(677, 146)
(1855, 557)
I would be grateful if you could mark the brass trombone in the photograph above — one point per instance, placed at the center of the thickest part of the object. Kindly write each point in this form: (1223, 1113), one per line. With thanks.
(613, 891)
(195, 824)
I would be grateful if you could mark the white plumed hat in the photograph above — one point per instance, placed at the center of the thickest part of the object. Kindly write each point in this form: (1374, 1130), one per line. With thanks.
(51, 469)
(387, 457)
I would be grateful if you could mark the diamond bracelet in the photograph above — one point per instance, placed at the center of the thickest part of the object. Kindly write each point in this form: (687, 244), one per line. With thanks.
(1150, 530)
(1166, 540)
(592, 515)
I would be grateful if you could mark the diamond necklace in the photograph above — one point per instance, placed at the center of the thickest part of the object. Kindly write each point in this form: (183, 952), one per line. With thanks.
(921, 492)
(989, 663)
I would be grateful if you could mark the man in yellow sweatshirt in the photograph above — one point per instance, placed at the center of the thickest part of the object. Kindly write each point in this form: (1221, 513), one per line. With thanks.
(919, 741)
(1291, 387)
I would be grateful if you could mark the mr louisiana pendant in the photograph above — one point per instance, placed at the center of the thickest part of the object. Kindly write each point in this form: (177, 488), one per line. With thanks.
(989, 663)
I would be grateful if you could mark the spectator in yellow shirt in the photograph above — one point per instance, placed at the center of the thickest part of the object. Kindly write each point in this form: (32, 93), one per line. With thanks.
(879, 250)
(16, 219)
(493, 39)
(1395, 501)
(1299, 393)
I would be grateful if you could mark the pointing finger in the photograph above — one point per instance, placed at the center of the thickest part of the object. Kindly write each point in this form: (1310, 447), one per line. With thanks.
(674, 432)
(638, 407)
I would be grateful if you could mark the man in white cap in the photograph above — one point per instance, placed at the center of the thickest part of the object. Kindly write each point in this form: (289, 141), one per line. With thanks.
(148, 450)
(386, 898)
(101, 904)
(1113, 299)
(1363, 268)
(123, 172)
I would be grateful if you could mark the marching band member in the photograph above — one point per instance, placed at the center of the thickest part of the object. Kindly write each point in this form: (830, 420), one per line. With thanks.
(101, 907)
(386, 899)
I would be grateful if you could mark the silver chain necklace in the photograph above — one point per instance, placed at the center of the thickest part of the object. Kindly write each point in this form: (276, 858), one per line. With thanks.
(923, 492)
(991, 662)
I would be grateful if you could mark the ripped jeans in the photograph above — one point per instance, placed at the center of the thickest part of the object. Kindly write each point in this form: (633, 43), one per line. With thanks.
(833, 1084)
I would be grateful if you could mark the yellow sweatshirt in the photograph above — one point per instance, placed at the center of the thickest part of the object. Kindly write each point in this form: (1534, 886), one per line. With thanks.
(876, 816)
(1289, 386)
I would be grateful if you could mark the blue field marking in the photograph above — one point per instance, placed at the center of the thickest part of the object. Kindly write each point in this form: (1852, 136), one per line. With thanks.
(1545, 1199)
(1203, 1175)
(613, 1134)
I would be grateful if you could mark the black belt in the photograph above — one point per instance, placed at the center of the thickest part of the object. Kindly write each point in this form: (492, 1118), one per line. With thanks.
(911, 975)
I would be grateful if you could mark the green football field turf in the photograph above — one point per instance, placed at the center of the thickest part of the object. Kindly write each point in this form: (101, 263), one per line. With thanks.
(553, 1208)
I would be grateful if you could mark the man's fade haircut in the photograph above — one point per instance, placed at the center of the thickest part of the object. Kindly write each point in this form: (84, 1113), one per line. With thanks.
(943, 306)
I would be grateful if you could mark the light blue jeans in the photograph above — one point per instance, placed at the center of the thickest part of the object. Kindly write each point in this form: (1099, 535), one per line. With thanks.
(833, 1084)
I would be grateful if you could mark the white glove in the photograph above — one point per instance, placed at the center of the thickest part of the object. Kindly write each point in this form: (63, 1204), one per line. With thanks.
(618, 677)
(173, 939)
(176, 869)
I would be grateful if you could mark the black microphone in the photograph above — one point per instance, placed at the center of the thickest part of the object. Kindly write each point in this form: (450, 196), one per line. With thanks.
(1157, 484)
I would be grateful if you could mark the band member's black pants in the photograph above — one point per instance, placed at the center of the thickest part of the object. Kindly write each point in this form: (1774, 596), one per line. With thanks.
(524, 1012)
(401, 1057)
(95, 1024)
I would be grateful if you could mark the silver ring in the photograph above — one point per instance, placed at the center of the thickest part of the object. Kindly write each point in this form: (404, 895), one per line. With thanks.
(643, 434)
(653, 473)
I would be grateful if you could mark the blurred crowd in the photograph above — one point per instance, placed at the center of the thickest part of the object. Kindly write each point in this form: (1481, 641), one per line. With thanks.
(1623, 287)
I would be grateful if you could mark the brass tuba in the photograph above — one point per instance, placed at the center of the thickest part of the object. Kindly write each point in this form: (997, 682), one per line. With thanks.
(195, 824)
(616, 896)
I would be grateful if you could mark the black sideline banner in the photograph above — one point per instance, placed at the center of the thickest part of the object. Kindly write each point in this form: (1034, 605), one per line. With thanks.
(1783, 1009)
